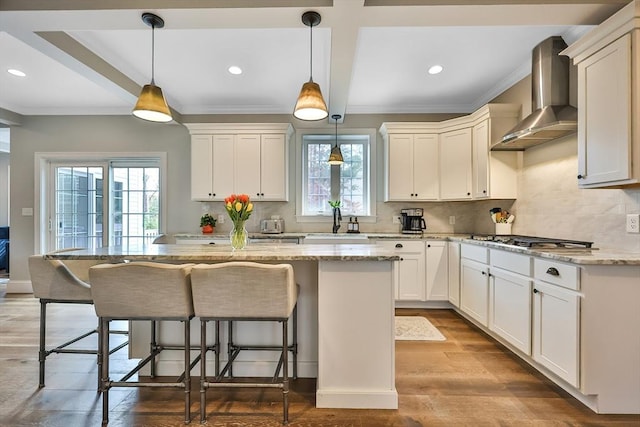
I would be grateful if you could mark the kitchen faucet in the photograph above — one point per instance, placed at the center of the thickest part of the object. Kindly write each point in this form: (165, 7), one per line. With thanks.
(337, 217)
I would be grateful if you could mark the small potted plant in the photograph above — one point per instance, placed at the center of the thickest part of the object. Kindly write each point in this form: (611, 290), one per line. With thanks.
(208, 223)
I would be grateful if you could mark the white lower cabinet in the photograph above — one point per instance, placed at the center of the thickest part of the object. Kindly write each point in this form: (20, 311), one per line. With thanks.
(453, 249)
(437, 274)
(474, 290)
(556, 330)
(409, 271)
(510, 312)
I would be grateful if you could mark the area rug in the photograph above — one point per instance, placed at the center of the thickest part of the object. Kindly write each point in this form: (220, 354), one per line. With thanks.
(416, 328)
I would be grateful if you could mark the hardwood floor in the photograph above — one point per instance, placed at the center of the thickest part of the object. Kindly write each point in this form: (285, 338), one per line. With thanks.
(468, 379)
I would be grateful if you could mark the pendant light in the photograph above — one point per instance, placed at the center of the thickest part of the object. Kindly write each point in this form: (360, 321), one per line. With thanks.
(335, 158)
(310, 104)
(151, 104)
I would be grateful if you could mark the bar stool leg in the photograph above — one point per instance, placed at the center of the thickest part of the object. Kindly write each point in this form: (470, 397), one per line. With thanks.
(105, 371)
(295, 342)
(285, 371)
(152, 348)
(42, 353)
(230, 348)
(100, 355)
(203, 370)
(217, 348)
(187, 372)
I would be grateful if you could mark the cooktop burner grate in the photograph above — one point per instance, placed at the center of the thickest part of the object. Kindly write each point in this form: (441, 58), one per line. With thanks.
(532, 241)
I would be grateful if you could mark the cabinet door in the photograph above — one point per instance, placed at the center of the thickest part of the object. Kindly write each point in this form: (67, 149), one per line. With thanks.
(223, 166)
(201, 167)
(454, 272)
(411, 277)
(604, 115)
(400, 167)
(510, 308)
(481, 160)
(556, 330)
(273, 168)
(474, 290)
(247, 165)
(437, 274)
(426, 172)
(455, 164)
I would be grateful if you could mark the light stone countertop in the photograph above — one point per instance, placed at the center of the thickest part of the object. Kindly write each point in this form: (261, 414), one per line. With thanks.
(602, 256)
(198, 253)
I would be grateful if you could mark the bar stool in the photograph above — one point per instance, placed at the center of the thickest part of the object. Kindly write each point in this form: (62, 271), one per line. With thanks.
(54, 281)
(143, 291)
(244, 291)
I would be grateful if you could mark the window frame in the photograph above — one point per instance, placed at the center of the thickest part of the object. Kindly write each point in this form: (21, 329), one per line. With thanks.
(45, 161)
(301, 156)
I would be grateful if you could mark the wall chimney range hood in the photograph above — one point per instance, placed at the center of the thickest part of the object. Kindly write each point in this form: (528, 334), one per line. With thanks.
(552, 115)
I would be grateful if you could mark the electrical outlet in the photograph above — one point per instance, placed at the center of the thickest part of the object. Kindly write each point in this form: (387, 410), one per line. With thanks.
(221, 218)
(452, 220)
(396, 219)
(633, 223)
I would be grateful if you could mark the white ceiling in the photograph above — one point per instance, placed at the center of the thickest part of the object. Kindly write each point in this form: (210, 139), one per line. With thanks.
(368, 56)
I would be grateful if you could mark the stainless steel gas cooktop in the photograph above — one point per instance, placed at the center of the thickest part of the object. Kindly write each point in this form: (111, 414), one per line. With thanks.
(533, 242)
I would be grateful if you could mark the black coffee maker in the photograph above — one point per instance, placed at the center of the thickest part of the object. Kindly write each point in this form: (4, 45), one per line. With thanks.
(412, 221)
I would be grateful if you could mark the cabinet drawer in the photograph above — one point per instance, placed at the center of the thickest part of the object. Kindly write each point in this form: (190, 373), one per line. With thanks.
(403, 245)
(476, 253)
(565, 275)
(510, 261)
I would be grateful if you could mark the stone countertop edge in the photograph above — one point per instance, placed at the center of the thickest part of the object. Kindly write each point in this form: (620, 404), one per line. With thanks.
(601, 256)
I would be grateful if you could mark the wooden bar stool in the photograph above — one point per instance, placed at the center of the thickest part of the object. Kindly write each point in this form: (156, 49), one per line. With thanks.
(58, 282)
(143, 291)
(245, 291)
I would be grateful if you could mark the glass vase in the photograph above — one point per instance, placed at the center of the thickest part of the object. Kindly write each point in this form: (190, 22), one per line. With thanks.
(238, 236)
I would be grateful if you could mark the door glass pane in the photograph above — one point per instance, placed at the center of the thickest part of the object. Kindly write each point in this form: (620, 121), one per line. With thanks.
(136, 204)
(77, 222)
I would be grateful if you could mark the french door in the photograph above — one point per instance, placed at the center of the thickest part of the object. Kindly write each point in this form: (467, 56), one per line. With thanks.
(103, 203)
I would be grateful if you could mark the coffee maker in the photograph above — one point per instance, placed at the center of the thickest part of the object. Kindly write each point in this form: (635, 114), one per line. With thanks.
(412, 221)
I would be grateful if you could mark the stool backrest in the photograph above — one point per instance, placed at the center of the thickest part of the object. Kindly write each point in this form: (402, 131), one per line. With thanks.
(52, 279)
(142, 290)
(243, 290)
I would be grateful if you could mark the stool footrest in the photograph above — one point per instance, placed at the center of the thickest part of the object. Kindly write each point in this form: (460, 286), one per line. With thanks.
(225, 384)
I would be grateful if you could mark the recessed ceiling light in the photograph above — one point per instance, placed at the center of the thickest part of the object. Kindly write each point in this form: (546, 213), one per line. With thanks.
(234, 69)
(16, 72)
(435, 69)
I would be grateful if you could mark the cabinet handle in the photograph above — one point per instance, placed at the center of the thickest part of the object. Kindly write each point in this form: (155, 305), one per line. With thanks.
(535, 291)
(210, 194)
(416, 194)
(484, 191)
(428, 246)
(580, 176)
(212, 243)
(257, 194)
(401, 259)
(214, 194)
(399, 245)
(553, 271)
(468, 194)
(484, 273)
(262, 194)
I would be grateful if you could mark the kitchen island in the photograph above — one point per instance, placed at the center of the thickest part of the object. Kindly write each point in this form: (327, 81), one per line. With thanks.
(345, 324)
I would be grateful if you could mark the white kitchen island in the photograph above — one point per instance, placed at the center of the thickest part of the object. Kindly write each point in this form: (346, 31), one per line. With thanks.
(345, 325)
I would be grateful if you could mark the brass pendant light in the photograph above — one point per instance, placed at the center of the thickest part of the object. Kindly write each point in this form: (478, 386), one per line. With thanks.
(151, 104)
(310, 104)
(335, 158)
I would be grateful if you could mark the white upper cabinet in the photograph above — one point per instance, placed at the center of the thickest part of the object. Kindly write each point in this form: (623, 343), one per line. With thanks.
(609, 101)
(455, 164)
(412, 165)
(239, 158)
(451, 160)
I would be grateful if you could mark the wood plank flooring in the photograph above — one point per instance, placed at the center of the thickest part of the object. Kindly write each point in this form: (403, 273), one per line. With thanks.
(467, 380)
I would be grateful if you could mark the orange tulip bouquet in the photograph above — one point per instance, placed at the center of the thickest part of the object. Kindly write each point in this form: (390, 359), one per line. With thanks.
(239, 208)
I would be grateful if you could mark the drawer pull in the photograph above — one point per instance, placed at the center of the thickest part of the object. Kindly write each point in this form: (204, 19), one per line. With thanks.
(399, 245)
(553, 271)
(212, 243)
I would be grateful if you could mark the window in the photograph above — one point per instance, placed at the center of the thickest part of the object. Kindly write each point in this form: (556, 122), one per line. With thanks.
(99, 202)
(351, 182)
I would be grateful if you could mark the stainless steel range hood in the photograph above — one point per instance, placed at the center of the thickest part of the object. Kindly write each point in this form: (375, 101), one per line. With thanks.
(552, 115)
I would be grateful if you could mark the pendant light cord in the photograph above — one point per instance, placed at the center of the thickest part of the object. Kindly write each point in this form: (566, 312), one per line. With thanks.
(311, 53)
(153, 53)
